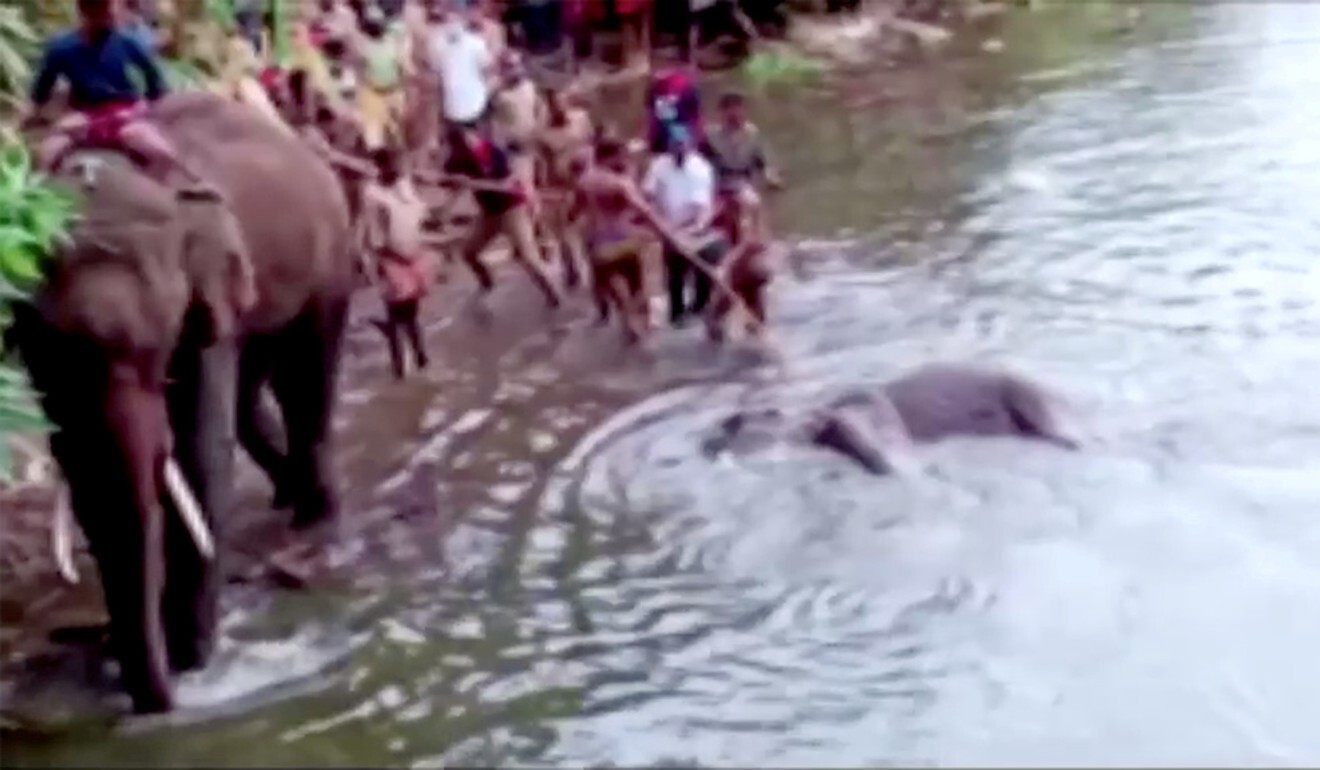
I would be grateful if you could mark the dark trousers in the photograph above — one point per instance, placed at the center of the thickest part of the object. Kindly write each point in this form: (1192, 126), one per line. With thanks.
(400, 326)
(680, 274)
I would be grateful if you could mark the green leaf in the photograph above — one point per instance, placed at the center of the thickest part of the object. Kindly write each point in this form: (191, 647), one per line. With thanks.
(6, 460)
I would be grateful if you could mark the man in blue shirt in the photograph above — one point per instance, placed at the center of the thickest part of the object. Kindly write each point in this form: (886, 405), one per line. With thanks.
(98, 60)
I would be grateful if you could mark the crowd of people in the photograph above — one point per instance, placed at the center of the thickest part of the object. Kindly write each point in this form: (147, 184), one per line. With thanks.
(421, 104)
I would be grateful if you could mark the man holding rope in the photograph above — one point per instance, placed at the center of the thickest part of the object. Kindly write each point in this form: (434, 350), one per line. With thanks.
(681, 184)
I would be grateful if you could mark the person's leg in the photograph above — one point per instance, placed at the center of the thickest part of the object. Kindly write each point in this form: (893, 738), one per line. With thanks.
(676, 268)
(639, 303)
(390, 328)
(573, 252)
(701, 281)
(753, 295)
(715, 315)
(484, 231)
(619, 291)
(53, 149)
(518, 225)
(600, 291)
(143, 138)
(412, 327)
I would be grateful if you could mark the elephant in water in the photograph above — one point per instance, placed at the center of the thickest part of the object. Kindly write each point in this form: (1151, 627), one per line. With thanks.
(878, 428)
(155, 330)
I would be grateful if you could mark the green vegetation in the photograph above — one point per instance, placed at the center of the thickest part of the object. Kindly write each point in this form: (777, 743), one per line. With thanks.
(780, 67)
(19, 43)
(34, 215)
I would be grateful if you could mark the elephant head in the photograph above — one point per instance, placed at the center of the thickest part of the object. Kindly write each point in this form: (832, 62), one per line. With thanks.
(863, 426)
(143, 274)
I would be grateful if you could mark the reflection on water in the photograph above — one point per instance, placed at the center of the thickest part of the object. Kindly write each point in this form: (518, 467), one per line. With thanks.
(1126, 211)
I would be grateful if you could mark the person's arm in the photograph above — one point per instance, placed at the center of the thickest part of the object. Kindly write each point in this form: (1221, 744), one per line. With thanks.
(48, 75)
(349, 163)
(145, 62)
(651, 179)
(486, 63)
(452, 178)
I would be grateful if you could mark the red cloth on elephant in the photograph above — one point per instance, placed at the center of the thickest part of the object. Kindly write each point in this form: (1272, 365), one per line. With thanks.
(105, 124)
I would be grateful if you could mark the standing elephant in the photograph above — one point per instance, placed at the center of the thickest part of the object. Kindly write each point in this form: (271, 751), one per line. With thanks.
(878, 428)
(150, 341)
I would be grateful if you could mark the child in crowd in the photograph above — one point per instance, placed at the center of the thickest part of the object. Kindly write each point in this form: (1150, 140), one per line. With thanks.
(393, 214)
(736, 148)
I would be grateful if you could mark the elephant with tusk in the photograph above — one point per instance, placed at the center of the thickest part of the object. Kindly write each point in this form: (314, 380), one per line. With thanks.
(879, 428)
(151, 339)
(185, 503)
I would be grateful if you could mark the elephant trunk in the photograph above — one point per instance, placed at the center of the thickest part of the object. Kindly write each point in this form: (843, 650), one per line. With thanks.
(138, 422)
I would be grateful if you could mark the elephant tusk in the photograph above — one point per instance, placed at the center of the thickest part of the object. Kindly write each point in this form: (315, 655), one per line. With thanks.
(62, 537)
(189, 510)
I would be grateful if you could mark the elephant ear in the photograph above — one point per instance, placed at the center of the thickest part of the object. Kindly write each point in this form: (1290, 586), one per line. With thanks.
(219, 268)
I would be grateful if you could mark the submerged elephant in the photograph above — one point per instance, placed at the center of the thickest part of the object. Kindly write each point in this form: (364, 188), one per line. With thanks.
(150, 341)
(878, 428)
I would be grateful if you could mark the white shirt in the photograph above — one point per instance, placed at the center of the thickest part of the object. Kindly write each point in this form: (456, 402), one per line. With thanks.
(683, 194)
(463, 58)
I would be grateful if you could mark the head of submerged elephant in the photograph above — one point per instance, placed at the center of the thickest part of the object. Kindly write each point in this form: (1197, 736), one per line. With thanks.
(97, 341)
(746, 430)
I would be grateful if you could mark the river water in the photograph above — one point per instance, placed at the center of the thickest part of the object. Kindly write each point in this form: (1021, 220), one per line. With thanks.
(1117, 205)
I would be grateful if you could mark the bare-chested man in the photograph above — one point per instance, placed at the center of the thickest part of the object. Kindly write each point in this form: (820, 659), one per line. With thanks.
(565, 148)
(620, 224)
(517, 116)
(747, 269)
(479, 163)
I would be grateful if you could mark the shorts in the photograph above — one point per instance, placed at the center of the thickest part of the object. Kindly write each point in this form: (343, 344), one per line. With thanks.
(405, 280)
(106, 124)
(713, 253)
(625, 266)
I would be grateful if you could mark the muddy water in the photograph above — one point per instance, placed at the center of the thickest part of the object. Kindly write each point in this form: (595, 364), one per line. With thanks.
(1124, 208)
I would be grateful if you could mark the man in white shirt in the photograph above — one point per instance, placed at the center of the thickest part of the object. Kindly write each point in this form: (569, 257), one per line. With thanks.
(464, 63)
(681, 185)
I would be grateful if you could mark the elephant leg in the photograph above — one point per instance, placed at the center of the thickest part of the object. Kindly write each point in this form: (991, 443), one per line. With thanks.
(202, 413)
(128, 554)
(304, 379)
(259, 430)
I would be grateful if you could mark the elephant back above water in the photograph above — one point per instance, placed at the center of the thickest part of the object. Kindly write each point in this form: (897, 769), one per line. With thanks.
(878, 427)
(156, 329)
